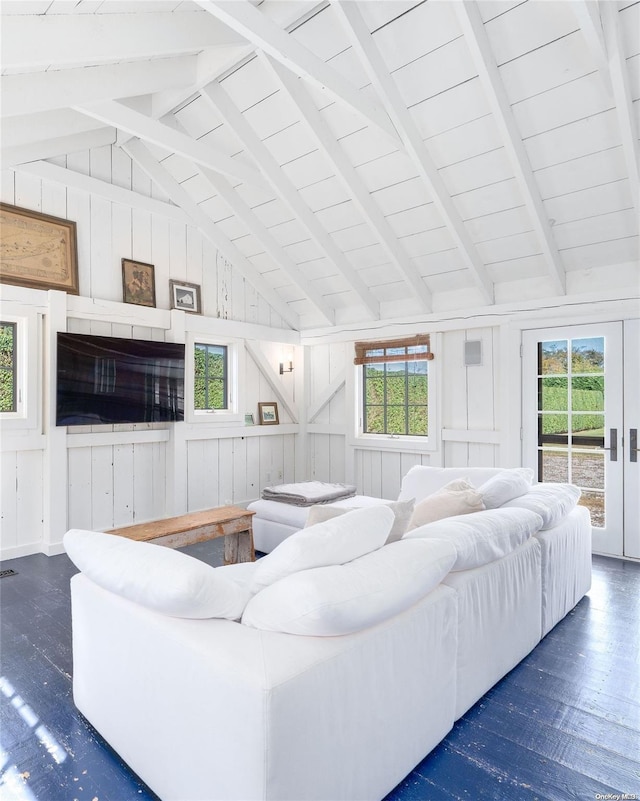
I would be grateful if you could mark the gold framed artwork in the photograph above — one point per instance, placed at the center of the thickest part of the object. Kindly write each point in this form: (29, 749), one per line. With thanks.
(268, 414)
(37, 250)
(138, 283)
(185, 296)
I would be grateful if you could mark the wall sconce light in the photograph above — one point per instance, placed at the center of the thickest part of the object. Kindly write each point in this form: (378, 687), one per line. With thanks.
(286, 367)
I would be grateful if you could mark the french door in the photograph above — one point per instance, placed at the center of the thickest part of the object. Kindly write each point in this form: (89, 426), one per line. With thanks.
(581, 409)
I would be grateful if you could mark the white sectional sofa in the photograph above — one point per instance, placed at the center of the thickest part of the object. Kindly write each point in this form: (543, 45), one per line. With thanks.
(329, 668)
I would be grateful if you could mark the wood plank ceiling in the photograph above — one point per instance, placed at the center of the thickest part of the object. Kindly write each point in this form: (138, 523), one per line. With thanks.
(354, 161)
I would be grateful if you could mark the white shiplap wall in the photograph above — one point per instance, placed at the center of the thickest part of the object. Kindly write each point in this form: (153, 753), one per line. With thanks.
(468, 408)
(119, 474)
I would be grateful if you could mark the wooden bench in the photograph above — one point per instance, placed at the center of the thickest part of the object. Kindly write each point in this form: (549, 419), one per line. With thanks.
(230, 522)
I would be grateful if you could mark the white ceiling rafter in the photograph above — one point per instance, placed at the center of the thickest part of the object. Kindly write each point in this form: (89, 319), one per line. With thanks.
(588, 17)
(478, 43)
(213, 63)
(363, 43)
(352, 181)
(57, 146)
(31, 92)
(79, 39)
(622, 96)
(137, 151)
(260, 232)
(116, 194)
(267, 36)
(288, 193)
(150, 130)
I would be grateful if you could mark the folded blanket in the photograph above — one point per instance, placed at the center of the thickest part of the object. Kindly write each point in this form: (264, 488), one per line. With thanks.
(306, 493)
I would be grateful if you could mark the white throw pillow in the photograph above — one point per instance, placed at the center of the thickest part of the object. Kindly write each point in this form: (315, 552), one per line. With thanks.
(333, 542)
(484, 536)
(341, 599)
(505, 486)
(155, 576)
(401, 509)
(458, 497)
(552, 502)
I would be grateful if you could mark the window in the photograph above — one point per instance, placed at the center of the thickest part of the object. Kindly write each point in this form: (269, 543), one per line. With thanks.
(210, 384)
(8, 367)
(395, 386)
(214, 379)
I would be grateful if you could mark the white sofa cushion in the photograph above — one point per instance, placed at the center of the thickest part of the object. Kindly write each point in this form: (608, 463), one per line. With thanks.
(401, 509)
(156, 577)
(341, 599)
(552, 502)
(458, 497)
(333, 542)
(505, 486)
(422, 480)
(482, 537)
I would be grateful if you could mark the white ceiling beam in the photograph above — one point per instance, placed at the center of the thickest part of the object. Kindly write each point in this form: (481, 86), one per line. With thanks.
(214, 62)
(31, 92)
(363, 44)
(489, 74)
(94, 186)
(288, 193)
(136, 150)
(262, 235)
(622, 95)
(351, 181)
(588, 16)
(23, 129)
(266, 35)
(40, 40)
(150, 130)
(57, 146)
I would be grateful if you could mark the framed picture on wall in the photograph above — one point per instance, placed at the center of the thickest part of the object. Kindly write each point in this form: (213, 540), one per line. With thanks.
(268, 414)
(185, 296)
(38, 250)
(138, 283)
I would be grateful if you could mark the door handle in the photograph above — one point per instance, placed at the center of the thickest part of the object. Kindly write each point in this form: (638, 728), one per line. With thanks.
(613, 445)
(633, 444)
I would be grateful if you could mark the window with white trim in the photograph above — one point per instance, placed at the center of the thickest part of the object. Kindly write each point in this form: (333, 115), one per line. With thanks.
(395, 392)
(214, 371)
(210, 377)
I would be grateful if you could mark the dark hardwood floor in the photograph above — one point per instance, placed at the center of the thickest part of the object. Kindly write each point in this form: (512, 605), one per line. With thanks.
(564, 724)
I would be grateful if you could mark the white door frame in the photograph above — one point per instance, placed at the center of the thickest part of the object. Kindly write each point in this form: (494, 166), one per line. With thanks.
(608, 540)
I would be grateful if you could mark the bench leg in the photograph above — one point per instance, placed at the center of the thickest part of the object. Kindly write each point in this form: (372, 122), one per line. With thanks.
(238, 547)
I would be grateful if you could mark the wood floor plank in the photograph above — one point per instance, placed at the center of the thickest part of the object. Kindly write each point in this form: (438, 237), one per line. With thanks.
(546, 710)
(563, 725)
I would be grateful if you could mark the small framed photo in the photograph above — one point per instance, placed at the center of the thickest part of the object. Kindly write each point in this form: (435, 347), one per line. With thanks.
(268, 414)
(185, 296)
(249, 419)
(138, 283)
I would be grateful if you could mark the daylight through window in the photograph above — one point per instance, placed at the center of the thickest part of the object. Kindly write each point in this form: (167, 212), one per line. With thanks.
(210, 377)
(395, 381)
(7, 367)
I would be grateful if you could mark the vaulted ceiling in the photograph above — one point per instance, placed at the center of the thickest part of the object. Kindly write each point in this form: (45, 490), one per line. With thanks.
(355, 161)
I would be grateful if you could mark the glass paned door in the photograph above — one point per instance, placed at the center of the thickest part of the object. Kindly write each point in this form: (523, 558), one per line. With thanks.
(576, 436)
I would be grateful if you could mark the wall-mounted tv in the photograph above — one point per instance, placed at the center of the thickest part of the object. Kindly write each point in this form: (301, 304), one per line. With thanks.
(113, 380)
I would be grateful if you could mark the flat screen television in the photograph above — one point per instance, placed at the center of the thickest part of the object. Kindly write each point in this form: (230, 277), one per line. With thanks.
(114, 380)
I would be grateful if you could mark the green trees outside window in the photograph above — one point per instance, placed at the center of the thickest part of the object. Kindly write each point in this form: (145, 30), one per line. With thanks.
(396, 387)
(210, 377)
(7, 367)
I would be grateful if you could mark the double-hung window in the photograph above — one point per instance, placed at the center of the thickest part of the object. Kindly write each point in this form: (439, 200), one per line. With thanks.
(395, 392)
